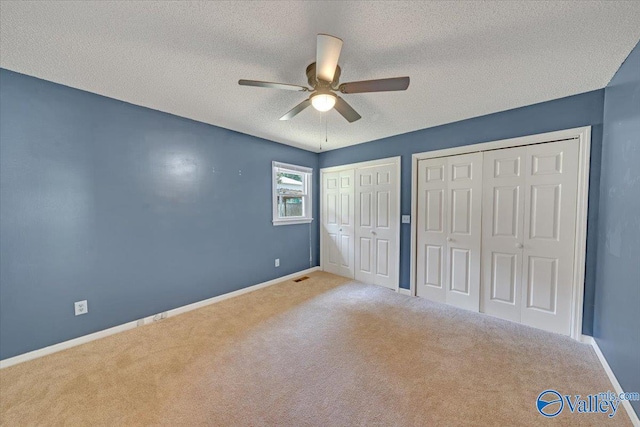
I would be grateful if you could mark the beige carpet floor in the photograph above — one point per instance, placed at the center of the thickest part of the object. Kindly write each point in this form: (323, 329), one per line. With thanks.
(323, 352)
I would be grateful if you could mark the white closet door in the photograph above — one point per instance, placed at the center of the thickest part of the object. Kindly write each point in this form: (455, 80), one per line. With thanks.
(387, 224)
(449, 230)
(502, 232)
(551, 174)
(377, 225)
(432, 229)
(365, 225)
(330, 215)
(338, 222)
(347, 222)
(464, 230)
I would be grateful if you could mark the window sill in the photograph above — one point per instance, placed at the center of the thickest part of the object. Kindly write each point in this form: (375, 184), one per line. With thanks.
(292, 221)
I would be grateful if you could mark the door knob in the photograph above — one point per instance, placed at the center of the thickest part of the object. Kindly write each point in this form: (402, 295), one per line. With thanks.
(373, 232)
(341, 229)
(519, 245)
(450, 239)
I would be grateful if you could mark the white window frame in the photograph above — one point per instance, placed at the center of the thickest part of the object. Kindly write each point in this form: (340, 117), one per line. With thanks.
(307, 199)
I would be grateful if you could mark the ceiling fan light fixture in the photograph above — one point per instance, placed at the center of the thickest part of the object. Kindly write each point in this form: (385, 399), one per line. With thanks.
(323, 101)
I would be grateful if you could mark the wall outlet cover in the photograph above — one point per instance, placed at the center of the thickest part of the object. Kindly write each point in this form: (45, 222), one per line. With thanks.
(277, 262)
(160, 316)
(406, 219)
(81, 307)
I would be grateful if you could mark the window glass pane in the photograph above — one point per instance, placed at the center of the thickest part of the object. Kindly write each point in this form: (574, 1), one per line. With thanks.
(290, 183)
(289, 206)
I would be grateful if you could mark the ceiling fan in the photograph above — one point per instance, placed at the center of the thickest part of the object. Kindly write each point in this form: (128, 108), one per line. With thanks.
(323, 77)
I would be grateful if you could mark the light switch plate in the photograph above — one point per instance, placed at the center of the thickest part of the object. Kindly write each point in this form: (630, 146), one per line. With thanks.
(406, 219)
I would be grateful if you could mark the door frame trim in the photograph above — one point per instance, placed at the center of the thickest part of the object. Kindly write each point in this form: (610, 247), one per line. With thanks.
(583, 135)
(397, 160)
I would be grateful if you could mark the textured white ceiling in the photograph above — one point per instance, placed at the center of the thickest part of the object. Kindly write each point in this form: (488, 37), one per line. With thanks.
(465, 59)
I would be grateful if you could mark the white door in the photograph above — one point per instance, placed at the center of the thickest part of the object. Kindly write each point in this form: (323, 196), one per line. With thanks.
(338, 222)
(464, 232)
(449, 229)
(432, 229)
(529, 220)
(551, 175)
(502, 232)
(377, 224)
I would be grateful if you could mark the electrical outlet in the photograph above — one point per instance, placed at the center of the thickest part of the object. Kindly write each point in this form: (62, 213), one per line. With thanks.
(81, 307)
(277, 262)
(160, 316)
(406, 219)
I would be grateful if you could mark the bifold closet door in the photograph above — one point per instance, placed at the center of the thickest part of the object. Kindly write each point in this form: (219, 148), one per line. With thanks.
(502, 232)
(529, 221)
(432, 229)
(377, 225)
(551, 177)
(338, 219)
(449, 229)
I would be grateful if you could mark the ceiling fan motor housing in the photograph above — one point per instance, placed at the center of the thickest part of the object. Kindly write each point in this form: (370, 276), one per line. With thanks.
(321, 84)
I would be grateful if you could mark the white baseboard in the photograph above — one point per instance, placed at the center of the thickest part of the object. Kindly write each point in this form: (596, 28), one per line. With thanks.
(404, 291)
(612, 377)
(140, 322)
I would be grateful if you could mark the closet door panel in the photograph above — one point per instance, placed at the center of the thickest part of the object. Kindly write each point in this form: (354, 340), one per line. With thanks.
(502, 232)
(464, 237)
(377, 224)
(330, 224)
(365, 225)
(346, 220)
(549, 239)
(432, 229)
(338, 219)
(387, 225)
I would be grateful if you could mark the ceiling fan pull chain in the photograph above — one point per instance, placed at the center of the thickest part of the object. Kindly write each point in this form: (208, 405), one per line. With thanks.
(326, 127)
(320, 131)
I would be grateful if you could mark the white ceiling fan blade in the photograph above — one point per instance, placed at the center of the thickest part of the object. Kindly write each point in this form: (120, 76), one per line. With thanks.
(327, 55)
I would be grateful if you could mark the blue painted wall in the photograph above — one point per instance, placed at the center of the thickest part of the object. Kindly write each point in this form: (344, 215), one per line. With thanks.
(135, 210)
(575, 111)
(140, 211)
(618, 277)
